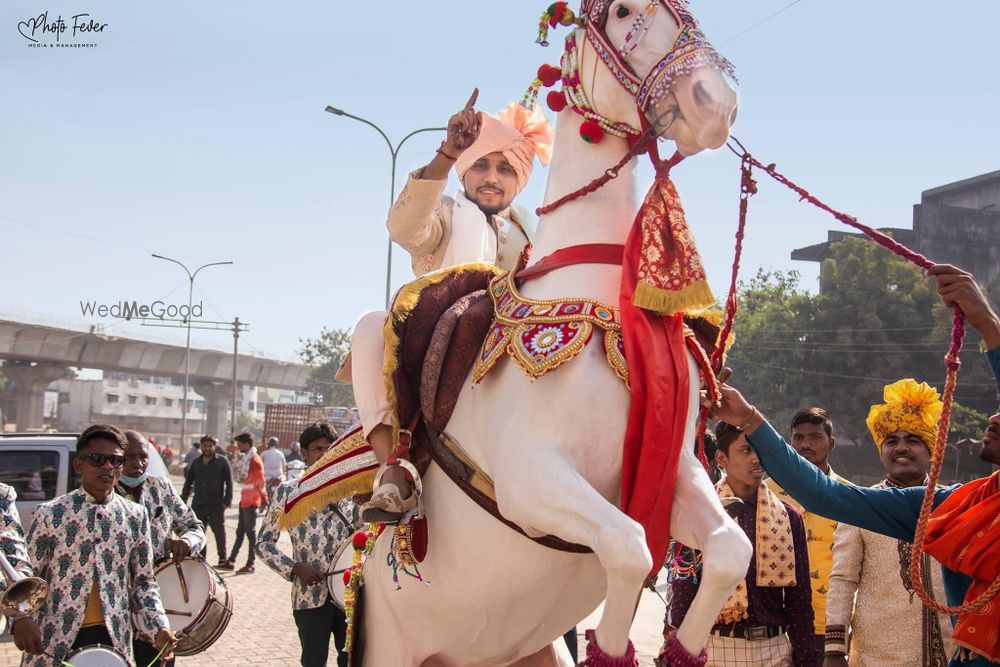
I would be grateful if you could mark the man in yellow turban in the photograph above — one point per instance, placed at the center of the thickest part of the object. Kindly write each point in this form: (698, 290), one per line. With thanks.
(911, 410)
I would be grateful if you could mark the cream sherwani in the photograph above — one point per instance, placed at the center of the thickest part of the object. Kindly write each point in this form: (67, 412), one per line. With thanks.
(867, 597)
(438, 232)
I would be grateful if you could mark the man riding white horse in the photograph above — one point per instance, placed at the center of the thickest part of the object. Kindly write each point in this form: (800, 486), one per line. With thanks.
(493, 157)
(587, 471)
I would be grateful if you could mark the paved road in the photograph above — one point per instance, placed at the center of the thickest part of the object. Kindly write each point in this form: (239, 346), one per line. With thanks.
(263, 634)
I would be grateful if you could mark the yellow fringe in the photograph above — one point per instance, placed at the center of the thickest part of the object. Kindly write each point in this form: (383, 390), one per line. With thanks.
(403, 306)
(713, 314)
(360, 483)
(667, 302)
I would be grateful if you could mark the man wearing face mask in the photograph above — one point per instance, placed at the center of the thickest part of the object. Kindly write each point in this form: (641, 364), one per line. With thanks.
(493, 158)
(168, 516)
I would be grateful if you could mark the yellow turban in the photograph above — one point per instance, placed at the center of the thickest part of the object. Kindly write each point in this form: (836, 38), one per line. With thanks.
(521, 135)
(909, 406)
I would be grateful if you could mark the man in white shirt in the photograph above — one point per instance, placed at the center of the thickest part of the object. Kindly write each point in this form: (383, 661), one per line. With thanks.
(274, 466)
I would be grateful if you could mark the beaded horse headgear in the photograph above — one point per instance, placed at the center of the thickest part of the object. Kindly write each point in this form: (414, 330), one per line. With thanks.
(690, 50)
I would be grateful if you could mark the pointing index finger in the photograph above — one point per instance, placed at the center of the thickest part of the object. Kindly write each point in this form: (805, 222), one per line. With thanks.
(472, 99)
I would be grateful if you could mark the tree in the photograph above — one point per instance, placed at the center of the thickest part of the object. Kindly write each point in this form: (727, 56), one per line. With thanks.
(250, 423)
(766, 350)
(324, 355)
(876, 319)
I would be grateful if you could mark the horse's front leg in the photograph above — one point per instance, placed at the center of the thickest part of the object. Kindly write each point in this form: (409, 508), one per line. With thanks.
(698, 520)
(550, 497)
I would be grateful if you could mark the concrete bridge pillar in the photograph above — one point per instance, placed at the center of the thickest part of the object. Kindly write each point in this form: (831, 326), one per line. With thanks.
(217, 399)
(30, 381)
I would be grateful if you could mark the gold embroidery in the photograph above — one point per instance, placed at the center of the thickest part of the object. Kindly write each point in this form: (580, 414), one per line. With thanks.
(541, 335)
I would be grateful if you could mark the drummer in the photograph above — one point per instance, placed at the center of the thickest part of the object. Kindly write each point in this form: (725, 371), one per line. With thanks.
(93, 549)
(314, 543)
(168, 516)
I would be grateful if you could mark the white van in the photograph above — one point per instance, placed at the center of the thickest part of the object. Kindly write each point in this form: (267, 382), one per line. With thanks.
(40, 467)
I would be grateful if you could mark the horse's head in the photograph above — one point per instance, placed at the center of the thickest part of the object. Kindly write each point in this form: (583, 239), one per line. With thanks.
(648, 57)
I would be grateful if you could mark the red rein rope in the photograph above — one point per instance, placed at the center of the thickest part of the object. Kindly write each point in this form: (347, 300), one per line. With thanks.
(748, 187)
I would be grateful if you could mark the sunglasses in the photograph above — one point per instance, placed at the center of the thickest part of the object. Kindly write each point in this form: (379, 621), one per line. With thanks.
(98, 460)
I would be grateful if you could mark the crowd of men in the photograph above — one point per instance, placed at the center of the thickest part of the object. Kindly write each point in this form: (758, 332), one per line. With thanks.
(829, 582)
(97, 547)
(830, 579)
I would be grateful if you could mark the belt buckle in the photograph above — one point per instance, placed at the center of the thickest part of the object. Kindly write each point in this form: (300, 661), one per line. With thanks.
(756, 633)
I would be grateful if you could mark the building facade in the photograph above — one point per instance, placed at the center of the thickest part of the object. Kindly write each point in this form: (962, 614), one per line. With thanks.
(958, 224)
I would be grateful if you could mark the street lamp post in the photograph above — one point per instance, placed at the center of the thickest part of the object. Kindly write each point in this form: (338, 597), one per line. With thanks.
(394, 152)
(187, 350)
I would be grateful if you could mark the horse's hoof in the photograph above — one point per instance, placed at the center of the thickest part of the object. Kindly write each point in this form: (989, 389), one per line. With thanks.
(673, 654)
(598, 658)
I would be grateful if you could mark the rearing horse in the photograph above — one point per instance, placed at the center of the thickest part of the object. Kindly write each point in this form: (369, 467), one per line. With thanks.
(553, 444)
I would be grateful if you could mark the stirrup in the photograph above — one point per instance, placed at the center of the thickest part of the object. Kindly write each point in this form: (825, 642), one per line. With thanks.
(387, 504)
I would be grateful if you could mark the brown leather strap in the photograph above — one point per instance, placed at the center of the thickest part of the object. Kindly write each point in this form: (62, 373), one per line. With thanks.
(476, 484)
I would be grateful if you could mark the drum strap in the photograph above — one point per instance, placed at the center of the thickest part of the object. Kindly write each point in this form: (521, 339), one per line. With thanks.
(342, 517)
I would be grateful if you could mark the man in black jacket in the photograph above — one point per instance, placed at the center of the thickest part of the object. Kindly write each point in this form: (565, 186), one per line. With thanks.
(212, 480)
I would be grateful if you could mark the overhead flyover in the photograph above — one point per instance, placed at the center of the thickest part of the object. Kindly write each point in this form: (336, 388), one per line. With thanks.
(36, 355)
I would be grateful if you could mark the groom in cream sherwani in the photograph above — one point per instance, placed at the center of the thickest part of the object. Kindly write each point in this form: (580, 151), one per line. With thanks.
(493, 157)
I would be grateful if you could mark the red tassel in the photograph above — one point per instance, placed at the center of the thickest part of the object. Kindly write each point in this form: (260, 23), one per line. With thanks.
(591, 131)
(556, 12)
(556, 100)
(549, 75)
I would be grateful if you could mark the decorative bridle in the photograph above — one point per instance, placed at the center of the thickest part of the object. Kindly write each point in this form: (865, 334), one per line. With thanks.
(690, 50)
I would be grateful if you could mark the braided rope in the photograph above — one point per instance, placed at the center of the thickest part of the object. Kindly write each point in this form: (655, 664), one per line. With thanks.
(748, 188)
(639, 146)
(951, 380)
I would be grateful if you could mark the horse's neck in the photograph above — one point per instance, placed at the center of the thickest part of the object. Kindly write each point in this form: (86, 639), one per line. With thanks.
(603, 216)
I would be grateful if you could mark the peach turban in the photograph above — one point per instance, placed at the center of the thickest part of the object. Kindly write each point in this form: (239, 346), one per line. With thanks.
(908, 406)
(520, 134)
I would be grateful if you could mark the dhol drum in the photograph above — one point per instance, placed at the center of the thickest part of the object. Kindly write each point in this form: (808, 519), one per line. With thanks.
(343, 558)
(197, 603)
(97, 655)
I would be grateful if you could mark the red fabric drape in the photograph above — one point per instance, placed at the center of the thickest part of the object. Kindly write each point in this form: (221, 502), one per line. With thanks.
(658, 379)
(962, 534)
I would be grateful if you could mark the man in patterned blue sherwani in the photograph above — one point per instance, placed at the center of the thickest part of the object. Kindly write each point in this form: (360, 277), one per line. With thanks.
(313, 544)
(93, 549)
(12, 538)
(168, 516)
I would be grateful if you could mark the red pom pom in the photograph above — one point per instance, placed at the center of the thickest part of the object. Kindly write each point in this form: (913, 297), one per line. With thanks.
(591, 131)
(555, 12)
(556, 100)
(347, 577)
(359, 540)
(549, 75)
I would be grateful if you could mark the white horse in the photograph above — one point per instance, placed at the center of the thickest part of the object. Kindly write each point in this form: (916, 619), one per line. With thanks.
(553, 446)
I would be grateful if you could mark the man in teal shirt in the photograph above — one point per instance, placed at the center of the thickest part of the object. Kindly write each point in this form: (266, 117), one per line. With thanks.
(893, 511)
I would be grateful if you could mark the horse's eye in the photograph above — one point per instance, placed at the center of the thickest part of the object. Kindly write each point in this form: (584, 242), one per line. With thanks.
(622, 11)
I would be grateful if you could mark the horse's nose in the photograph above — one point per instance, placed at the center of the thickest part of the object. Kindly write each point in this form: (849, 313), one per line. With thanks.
(703, 96)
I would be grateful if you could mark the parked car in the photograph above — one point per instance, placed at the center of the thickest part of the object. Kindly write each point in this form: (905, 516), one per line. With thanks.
(40, 467)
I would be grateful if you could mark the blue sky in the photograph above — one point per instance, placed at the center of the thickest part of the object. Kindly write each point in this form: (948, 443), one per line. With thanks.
(196, 130)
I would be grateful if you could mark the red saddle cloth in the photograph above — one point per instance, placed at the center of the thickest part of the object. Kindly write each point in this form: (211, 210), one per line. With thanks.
(456, 300)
